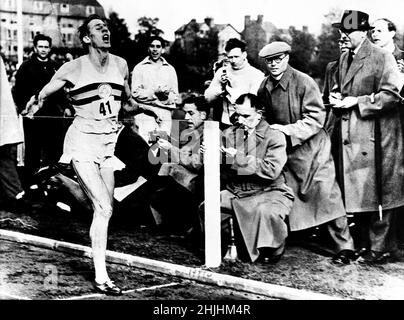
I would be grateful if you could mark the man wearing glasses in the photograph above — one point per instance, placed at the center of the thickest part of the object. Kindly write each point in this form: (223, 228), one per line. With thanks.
(293, 105)
(331, 80)
(371, 138)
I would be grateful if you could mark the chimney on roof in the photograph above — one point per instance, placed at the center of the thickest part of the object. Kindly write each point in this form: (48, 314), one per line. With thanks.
(247, 20)
(305, 29)
(260, 19)
(209, 22)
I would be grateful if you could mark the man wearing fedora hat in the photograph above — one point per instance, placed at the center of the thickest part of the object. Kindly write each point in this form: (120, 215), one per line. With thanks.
(371, 138)
(293, 104)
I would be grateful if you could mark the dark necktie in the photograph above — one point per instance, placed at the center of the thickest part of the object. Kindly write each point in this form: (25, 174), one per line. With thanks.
(350, 57)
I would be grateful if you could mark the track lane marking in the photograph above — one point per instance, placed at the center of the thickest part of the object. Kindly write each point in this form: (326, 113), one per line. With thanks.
(98, 295)
(12, 296)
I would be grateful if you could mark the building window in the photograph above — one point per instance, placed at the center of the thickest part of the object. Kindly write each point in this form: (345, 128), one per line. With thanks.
(69, 38)
(64, 8)
(38, 5)
(9, 34)
(90, 10)
(11, 4)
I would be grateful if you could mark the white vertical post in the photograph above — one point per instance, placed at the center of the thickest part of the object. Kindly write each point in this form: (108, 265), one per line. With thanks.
(20, 42)
(211, 139)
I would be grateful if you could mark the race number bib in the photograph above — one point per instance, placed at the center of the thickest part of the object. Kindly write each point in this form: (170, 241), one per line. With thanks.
(106, 107)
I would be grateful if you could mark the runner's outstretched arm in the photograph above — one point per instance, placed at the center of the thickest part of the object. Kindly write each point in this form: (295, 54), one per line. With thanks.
(57, 82)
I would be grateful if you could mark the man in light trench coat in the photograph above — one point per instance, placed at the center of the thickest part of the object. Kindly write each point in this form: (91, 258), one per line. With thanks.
(293, 105)
(11, 135)
(371, 138)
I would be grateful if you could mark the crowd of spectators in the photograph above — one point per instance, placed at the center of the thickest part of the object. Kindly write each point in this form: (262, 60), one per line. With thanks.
(293, 158)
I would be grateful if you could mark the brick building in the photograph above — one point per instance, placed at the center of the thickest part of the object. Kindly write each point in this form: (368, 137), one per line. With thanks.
(58, 19)
(188, 32)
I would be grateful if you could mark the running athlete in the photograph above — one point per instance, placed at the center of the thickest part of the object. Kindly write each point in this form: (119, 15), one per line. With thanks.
(98, 86)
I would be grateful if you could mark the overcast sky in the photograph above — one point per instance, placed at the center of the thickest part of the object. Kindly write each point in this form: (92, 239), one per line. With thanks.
(283, 13)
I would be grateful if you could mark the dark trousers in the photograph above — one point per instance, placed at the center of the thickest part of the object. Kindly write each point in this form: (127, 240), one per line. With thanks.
(43, 144)
(177, 206)
(338, 229)
(400, 228)
(10, 184)
(375, 234)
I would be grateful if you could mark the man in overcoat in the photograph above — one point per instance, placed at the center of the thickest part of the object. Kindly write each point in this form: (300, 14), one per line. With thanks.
(293, 105)
(10, 136)
(384, 35)
(371, 138)
(333, 117)
(255, 191)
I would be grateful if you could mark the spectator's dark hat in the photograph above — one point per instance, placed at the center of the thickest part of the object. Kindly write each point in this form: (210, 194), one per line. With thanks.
(274, 48)
(353, 20)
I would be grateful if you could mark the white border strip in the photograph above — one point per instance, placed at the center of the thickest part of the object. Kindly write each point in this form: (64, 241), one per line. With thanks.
(12, 296)
(197, 274)
(97, 295)
(172, 284)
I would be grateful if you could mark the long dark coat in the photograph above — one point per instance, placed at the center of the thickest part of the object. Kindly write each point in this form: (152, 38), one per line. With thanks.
(374, 78)
(260, 198)
(296, 103)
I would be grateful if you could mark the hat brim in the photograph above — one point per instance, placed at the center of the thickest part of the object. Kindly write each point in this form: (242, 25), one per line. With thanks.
(275, 54)
(338, 25)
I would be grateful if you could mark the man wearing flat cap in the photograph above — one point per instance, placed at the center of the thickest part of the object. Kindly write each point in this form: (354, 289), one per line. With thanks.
(371, 138)
(293, 104)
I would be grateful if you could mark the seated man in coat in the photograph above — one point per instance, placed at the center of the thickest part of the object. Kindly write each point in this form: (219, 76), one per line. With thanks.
(179, 176)
(255, 192)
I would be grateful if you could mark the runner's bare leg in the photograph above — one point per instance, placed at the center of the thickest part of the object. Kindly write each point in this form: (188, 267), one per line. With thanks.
(98, 183)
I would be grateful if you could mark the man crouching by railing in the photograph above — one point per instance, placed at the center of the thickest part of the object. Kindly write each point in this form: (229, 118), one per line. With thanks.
(255, 193)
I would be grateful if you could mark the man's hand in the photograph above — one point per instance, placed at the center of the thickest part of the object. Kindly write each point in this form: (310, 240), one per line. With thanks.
(67, 113)
(229, 151)
(280, 128)
(150, 112)
(140, 94)
(164, 144)
(224, 78)
(33, 105)
(346, 103)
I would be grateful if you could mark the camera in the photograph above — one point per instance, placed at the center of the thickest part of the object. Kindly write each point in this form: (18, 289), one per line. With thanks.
(155, 135)
(234, 118)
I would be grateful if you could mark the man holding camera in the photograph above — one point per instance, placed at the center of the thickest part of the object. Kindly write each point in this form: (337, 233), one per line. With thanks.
(155, 86)
(234, 78)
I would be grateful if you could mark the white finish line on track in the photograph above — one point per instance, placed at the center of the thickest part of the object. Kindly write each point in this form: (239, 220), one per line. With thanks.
(13, 296)
(97, 295)
(192, 273)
